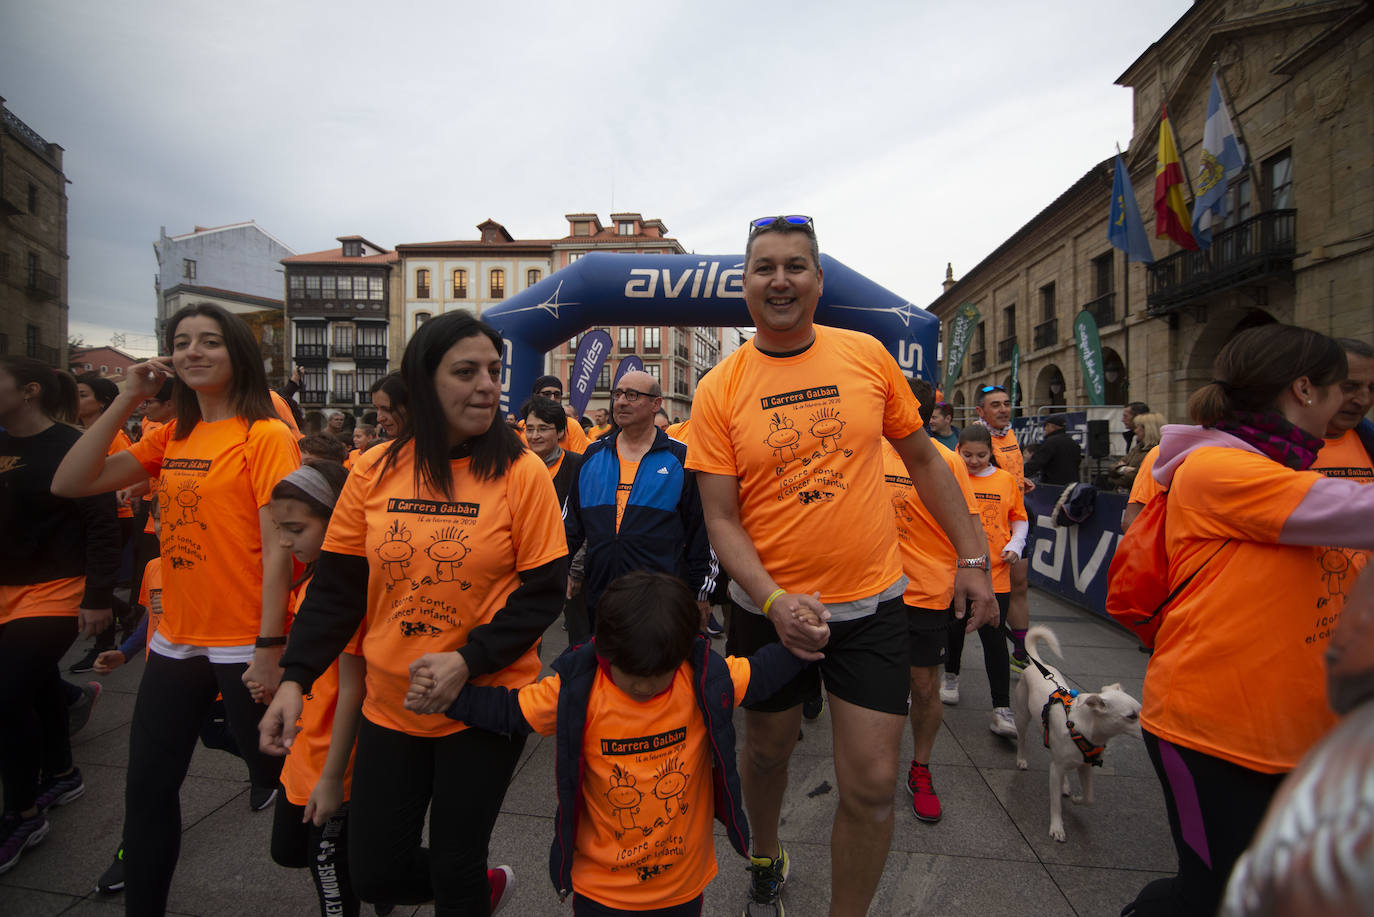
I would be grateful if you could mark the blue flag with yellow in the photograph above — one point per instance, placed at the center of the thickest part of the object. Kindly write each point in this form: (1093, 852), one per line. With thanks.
(1125, 229)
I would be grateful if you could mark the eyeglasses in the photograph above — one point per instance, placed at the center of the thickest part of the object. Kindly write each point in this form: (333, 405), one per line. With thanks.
(795, 219)
(630, 395)
(539, 431)
(989, 389)
(553, 394)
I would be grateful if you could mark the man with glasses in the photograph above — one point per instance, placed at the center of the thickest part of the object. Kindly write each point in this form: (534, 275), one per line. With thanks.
(785, 443)
(635, 504)
(574, 438)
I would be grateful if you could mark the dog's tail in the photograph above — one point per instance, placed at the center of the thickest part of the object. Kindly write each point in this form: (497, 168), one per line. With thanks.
(1038, 633)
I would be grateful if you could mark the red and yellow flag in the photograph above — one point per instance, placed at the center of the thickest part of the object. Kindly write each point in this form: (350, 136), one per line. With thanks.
(1171, 214)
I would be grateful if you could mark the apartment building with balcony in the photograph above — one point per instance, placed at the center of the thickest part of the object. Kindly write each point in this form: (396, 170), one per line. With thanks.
(1297, 245)
(33, 244)
(342, 316)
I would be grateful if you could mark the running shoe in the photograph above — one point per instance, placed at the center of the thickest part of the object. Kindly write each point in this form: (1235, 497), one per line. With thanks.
(1019, 661)
(813, 707)
(260, 797)
(765, 885)
(502, 881)
(949, 689)
(112, 879)
(1003, 722)
(713, 628)
(79, 713)
(87, 662)
(60, 790)
(18, 834)
(924, 802)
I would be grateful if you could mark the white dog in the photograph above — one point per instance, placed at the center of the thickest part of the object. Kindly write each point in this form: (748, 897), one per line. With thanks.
(1077, 731)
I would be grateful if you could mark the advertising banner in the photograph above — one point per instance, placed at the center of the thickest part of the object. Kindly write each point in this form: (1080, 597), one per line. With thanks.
(591, 356)
(960, 333)
(1072, 561)
(630, 364)
(1090, 355)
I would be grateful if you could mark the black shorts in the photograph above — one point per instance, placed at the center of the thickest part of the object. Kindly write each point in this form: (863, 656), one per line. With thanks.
(928, 633)
(865, 661)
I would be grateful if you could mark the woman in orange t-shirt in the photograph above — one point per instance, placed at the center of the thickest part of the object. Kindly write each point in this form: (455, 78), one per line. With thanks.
(225, 577)
(449, 545)
(1235, 692)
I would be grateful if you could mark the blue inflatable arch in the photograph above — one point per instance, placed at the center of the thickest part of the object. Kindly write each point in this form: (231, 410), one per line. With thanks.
(602, 288)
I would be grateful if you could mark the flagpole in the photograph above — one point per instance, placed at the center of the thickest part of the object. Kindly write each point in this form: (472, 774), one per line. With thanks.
(1126, 291)
(1240, 134)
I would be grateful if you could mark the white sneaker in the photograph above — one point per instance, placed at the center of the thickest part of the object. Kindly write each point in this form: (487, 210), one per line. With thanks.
(949, 689)
(1003, 722)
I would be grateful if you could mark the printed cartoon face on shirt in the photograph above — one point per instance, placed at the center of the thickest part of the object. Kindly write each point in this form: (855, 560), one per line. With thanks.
(804, 429)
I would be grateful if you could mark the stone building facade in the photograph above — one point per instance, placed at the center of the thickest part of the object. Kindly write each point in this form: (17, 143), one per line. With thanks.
(1297, 245)
(33, 244)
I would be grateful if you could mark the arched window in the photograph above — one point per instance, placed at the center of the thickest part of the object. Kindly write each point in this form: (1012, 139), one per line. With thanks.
(498, 283)
(533, 276)
(460, 284)
(420, 319)
(422, 284)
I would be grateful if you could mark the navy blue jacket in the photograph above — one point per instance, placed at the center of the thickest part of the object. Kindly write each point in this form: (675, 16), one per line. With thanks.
(663, 530)
(498, 709)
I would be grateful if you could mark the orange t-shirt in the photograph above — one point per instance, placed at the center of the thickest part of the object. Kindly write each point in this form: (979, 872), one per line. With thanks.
(150, 596)
(679, 431)
(439, 567)
(284, 412)
(644, 828)
(59, 598)
(800, 434)
(598, 431)
(305, 763)
(212, 485)
(628, 470)
(1007, 451)
(928, 556)
(1145, 486)
(1344, 457)
(1237, 671)
(999, 502)
(121, 442)
(147, 426)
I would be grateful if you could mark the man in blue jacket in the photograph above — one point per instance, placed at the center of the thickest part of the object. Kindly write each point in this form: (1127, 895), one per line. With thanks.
(635, 505)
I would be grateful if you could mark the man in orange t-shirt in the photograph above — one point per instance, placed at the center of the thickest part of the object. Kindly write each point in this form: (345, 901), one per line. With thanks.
(1346, 454)
(785, 445)
(994, 412)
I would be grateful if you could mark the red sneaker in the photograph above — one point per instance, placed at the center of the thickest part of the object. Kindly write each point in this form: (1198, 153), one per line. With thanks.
(502, 880)
(924, 802)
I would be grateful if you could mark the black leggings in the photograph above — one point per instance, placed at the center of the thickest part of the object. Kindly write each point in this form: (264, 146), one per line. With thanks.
(174, 699)
(995, 656)
(462, 778)
(34, 744)
(323, 850)
(1215, 808)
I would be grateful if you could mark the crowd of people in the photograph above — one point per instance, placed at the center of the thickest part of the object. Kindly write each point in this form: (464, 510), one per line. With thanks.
(357, 614)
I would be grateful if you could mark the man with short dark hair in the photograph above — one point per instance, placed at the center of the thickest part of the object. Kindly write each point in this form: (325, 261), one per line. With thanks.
(1057, 458)
(635, 504)
(994, 412)
(785, 435)
(601, 423)
(1349, 443)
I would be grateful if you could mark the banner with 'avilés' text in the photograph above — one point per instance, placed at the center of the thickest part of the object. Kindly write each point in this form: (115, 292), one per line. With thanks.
(960, 333)
(592, 353)
(630, 364)
(1090, 355)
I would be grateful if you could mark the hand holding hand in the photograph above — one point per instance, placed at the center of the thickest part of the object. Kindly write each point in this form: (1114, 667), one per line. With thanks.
(1010, 557)
(436, 679)
(91, 621)
(108, 661)
(263, 674)
(800, 622)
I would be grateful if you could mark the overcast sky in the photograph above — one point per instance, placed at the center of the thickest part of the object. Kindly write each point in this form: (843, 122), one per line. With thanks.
(914, 133)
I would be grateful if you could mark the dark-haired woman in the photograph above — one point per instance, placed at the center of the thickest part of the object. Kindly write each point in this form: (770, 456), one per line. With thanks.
(57, 567)
(392, 403)
(225, 575)
(1235, 692)
(449, 543)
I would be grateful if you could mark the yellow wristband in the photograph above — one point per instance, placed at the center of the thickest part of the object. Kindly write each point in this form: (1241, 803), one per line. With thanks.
(769, 604)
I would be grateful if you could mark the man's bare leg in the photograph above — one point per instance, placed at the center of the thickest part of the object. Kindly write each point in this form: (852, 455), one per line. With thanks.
(926, 710)
(768, 742)
(866, 747)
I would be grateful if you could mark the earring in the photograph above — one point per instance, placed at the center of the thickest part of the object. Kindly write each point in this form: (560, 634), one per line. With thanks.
(1309, 400)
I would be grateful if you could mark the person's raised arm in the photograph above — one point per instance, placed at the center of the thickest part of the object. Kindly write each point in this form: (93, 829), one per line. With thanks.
(86, 469)
(940, 493)
(735, 549)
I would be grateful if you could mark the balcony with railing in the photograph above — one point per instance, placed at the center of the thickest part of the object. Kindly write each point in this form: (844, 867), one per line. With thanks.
(1047, 334)
(41, 284)
(312, 352)
(1255, 249)
(369, 352)
(1004, 349)
(1102, 309)
(341, 351)
(43, 354)
(977, 361)
(312, 396)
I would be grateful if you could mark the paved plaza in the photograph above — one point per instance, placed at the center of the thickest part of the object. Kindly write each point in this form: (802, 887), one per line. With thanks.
(991, 854)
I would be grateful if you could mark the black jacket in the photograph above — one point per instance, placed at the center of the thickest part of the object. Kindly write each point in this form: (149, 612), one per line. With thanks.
(1056, 459)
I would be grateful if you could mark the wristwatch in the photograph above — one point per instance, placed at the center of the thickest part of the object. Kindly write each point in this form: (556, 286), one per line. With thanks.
(973, 563)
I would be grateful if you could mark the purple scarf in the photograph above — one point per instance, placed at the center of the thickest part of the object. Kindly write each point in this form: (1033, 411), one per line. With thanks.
(1275, 437)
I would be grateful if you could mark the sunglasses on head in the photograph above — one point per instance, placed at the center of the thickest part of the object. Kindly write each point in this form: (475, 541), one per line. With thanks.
(795, 219)
(989, 389)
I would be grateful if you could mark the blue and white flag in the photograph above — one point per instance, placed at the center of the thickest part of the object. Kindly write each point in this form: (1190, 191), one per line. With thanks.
(1124, 227)
(1222, 160)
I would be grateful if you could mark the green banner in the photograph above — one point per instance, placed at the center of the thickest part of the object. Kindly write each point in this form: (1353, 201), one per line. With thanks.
(1015, 376)
(966, 318)
(1090, 355)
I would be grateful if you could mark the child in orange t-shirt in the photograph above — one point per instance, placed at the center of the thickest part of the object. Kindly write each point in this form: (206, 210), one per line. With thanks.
(310, 827)
(1005, 524)
(646, 748)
